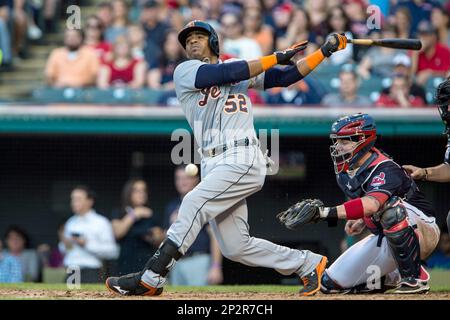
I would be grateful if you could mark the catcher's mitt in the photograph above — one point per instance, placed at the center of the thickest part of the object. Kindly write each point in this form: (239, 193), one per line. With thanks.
(301, 213)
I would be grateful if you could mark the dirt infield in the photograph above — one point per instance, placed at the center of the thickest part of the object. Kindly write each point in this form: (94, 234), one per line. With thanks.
(106, 295)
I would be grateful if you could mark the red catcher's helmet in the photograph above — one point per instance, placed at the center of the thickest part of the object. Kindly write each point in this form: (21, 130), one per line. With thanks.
(359, 128)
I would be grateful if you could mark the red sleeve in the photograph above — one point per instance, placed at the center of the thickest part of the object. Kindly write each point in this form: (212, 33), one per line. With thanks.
(380, 196)
(444, 56)
(417, 102)
(385, 101)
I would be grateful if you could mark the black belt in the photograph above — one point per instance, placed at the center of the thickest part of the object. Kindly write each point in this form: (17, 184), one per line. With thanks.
(224, 147)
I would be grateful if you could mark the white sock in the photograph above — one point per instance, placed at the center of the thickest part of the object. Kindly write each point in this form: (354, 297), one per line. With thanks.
(153, 279)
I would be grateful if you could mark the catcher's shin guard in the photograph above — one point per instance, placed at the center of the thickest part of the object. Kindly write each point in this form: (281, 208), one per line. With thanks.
(402, 240)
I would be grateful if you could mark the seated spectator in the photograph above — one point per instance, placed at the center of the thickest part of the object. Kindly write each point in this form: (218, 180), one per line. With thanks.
(136, 36)
(19, 18)
(88, 237)
(202, 263)
(440, 259)
(356, 13)
(10, 267)
(123, 70)
(50, 15)
(440, 19)
(337, 21)
(17, 244)
(378, 61)
(135, 227)
(418, 10)
(299, 29)
(282, 17)
(161, 75)
(304, 92)
(348, 92)
(73, 65)
(255, 29)
(155, 31)
(403, 22)
(235, 42)
(119, 22)
(94, 38)
(399, 95)
(105, 14)
(318, 10)
(214, 9)
(403, 67)
(197, 12)
(52, 257)
(434, 58)
(5, 39)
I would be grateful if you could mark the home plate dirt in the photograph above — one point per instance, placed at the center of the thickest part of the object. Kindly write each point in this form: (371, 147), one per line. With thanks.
(106, 295)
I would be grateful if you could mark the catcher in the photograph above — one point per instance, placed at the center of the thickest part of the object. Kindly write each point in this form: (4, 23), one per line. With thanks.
(439, 173)
(383, 198)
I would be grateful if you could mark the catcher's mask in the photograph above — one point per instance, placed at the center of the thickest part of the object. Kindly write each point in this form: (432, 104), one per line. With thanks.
(359, 128)
(443, 103)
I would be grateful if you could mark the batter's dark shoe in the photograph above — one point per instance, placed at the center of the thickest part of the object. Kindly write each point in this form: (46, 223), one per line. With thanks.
(312, 281)
(412, 285)
(131, 285)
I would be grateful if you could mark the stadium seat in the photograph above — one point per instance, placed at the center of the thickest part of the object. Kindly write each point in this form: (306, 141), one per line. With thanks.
(146, 96)
(50, 95)
(109, 96)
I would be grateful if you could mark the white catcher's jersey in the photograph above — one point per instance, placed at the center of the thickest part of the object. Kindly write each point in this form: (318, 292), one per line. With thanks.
(218, 114)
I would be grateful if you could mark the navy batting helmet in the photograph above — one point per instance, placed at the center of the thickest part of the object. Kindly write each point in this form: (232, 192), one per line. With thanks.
(359, 128)
(198, 25)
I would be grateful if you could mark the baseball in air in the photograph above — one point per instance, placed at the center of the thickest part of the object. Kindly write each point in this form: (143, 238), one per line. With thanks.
(191, 170)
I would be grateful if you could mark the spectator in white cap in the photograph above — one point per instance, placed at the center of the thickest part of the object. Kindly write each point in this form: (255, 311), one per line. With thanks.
(402, 66)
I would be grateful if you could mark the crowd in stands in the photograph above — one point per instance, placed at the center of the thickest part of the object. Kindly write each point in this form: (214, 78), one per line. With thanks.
(135, 44)
(95, 246)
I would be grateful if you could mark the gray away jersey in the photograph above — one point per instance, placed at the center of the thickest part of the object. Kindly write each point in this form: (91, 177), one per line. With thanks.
(218, 114)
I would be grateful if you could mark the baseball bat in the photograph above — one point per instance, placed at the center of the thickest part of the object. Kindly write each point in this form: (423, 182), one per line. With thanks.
(410, 44)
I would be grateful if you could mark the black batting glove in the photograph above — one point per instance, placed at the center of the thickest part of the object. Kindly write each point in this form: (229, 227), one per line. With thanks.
(333, 43)
(284, 57)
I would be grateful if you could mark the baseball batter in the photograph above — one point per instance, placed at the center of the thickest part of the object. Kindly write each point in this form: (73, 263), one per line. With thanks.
(383, 198)
(214, 99)
(439, 173)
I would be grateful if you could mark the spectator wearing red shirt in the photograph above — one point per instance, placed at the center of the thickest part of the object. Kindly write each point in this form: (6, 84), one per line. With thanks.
(399, 95)
(94, 38)
(123, 70)
(434, 58)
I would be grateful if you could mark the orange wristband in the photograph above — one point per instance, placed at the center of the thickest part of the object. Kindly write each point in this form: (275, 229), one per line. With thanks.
(268, 61)
(314, 59)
